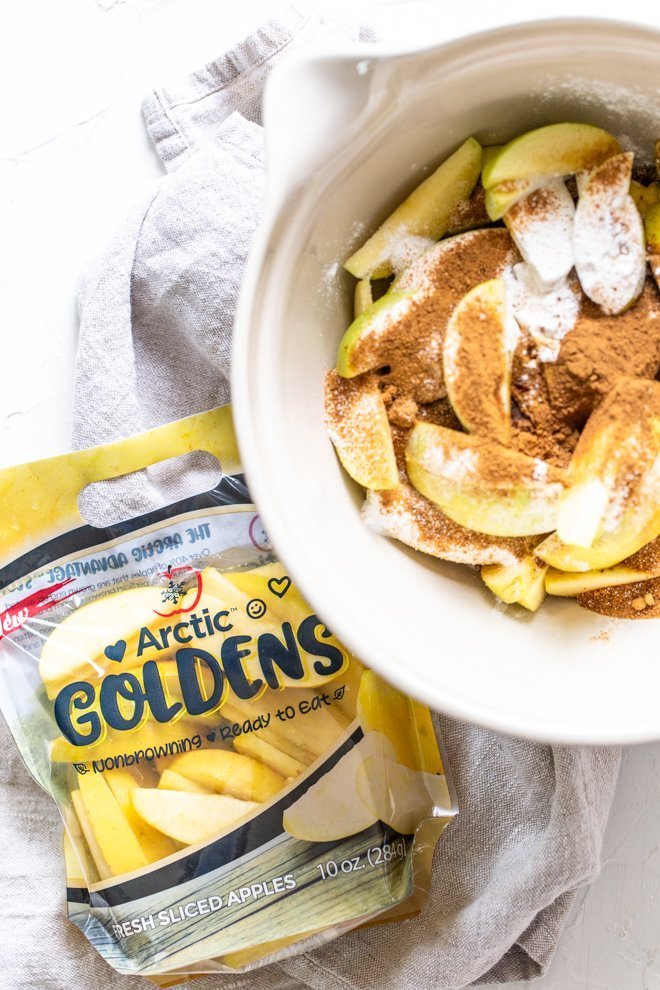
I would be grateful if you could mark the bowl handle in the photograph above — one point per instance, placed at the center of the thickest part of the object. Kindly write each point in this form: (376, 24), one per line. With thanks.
(312, 102)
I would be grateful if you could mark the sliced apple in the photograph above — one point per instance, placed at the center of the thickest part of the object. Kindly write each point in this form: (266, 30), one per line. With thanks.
(401, 797)
(424, 214)
(226, 772)
(116, 840)
(332, 808)
(154, 844)
(618, 456)
(359, 350)
(567, 585)
(407, 724)
(91, 841)
(503, 197)
(644, 196)
(479, 341)
(363, 297)
(608, 237)
(522, 583)
(652, 231)
(189, 818)
(356, 422)
(553, 150)
(404, 515)
(75, 875)
(541, 226)
(271, 756)
(170, 780)
(482, 485)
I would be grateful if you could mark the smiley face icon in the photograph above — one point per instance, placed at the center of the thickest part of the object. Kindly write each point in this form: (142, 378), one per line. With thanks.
(255, 608)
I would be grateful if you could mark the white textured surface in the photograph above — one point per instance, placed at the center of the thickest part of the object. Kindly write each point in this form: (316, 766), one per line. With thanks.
(73, 157)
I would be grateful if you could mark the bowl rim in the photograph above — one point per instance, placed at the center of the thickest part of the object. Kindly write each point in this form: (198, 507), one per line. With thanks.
(273, 515)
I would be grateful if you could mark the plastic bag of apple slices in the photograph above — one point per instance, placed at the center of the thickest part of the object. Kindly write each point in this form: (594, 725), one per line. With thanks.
(234, 785)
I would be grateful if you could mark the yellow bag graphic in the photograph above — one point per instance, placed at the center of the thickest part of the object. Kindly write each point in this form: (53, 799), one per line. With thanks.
(234, 784)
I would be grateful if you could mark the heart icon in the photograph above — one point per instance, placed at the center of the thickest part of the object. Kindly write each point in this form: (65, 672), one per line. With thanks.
(279, 586)
(210, 736)
(116, 650)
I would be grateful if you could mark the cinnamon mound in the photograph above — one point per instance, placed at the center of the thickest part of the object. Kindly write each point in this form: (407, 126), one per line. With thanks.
(411, 351)
(600, 349)
(640, 600)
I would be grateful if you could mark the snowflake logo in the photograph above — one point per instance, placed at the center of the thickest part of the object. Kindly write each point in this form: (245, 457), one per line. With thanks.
(173, 591)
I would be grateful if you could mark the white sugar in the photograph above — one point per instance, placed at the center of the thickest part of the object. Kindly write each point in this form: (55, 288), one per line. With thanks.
(548, 313)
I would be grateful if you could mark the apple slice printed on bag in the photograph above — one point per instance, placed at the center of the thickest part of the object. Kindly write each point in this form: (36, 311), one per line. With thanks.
(332, 808)
(483, 485)
(422, 218)
(608, 239)
(480, 338)
(611, 507)
(356, 421)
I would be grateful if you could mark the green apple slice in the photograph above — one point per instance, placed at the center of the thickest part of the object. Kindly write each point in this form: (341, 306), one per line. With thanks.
(401, 797)
(521, 583)
(611, 507)
(553, 150)
(424, 214)
(357, 424)
(359, 350)
(363, 297)
(479, 341)
(502, 197)
(542, 229)
(608, 238)
(482, 485)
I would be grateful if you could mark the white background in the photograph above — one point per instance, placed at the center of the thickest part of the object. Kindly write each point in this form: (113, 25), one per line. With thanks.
(74, 156)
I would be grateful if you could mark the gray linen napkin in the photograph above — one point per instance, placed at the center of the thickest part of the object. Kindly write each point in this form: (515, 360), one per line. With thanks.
(155, 328)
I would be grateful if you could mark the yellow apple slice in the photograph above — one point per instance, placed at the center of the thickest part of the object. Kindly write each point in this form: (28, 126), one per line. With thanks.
(359, 350)
(271, 756)
(117, 841)
(479, 341)
(569, 585)
(482, 485)
(618, 456)
(403, 514)
(74, 872)
(170, 780)
(652, 231)
(423, 215)
(356, 422)
(226, 772)
(189, 818)
(522, 583)
(401, 797)
(154, 844)
(608, 237)
(406, 723)
(644, 196)
(363, 297)
(541, 226)
(332, 808)
(553, 150)
(87, 831)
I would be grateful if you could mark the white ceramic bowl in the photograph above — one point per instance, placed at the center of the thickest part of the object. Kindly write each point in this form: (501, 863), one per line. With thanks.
(349, 132)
